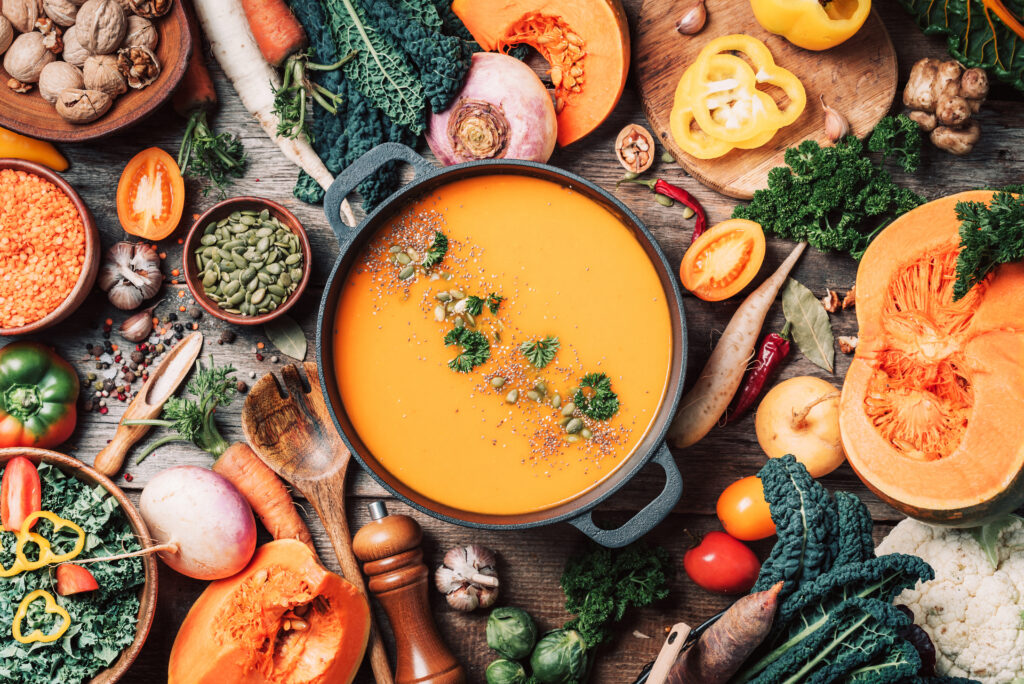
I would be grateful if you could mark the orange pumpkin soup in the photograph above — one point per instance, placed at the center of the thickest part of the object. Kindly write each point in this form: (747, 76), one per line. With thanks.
(558, 349)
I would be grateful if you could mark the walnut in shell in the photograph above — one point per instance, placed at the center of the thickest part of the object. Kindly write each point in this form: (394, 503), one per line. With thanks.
(21, 13)
(6, 34)
(138, 65)
(101, 73)
(140, 33)
(74, 52)
(80, 106)
(62, 12)
(27, 56)
(100, 26)
(150, 9)
(57, 77)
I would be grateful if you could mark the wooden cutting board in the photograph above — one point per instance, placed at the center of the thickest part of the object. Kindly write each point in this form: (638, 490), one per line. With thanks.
(857, 78)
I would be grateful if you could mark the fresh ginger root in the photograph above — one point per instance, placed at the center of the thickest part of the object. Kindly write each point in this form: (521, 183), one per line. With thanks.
(943, 97)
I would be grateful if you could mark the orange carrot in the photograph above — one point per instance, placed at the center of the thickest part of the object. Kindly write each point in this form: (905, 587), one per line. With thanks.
(264, 491)
(196, 88)
(276, 30)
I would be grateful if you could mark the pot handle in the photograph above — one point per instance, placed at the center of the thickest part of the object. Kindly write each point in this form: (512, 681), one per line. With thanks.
(644, 521)
(358, 171)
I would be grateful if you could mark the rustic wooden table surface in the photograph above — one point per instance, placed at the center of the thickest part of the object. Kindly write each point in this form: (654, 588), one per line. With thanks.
(531, 561)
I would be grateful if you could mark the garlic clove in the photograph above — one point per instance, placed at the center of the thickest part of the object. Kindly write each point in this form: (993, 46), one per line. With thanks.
(693, 19)
(137, 327)
(836, 125)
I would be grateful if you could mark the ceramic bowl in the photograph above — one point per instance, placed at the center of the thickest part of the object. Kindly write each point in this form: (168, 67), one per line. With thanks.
(93, 250)
(222, 211)
(30, 114)
(147, 594)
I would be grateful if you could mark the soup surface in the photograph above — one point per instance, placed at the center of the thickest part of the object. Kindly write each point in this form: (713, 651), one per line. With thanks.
(480, 426)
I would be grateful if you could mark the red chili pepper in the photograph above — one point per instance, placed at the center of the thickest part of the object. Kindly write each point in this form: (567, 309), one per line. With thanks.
(774, 349)
(676, 193)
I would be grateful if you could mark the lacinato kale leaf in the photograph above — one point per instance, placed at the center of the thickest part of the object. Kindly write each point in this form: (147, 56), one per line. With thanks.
(855, 525)
(835, 198)
(807, 524)
(989, 236)
(102, 621)
(898, 664)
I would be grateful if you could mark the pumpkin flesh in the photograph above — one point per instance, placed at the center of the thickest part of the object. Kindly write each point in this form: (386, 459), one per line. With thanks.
(241, 629)
(585, 41)
(931, 406)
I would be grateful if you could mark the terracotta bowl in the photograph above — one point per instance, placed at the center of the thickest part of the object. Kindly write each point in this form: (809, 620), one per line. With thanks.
(222, 211)
(30, 114)
(147, 594)
(92, 250)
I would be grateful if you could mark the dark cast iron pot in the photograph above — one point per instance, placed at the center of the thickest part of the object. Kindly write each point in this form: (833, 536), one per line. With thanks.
(576, 512)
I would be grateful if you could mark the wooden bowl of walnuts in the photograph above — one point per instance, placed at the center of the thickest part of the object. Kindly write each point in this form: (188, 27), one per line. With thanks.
(72, 71)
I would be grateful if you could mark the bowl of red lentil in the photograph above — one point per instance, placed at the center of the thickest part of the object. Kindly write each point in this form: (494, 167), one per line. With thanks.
(49, 248)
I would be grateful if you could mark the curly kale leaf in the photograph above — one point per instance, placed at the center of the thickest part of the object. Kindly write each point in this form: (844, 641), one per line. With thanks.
(975, 36)
(897, 665)
(380, 69)
(441, 61)
(855, 525)
(989, 236)
(807, 523)
(835, 197)
(601, 584)
(899, 139)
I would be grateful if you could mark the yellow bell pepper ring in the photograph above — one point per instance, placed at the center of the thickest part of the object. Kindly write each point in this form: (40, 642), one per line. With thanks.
(51, 607)
(812, 24)
(46, 555)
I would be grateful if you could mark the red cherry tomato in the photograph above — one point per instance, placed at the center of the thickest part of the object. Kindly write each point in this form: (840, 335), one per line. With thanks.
(722, 564)
(744, 512)
(20, 493)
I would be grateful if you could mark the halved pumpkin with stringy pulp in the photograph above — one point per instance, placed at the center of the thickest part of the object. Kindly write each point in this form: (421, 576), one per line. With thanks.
(932, 409)
(585, 41)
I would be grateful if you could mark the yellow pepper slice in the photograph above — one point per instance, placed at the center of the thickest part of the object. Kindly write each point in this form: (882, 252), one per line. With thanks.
(50, 606)
(728, 104)
(17, 566)
(46, 555)
(812, 24)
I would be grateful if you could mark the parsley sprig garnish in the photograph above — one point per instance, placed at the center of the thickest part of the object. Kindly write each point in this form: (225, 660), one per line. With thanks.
(540, 352)
(476, 349)
(989, 236)
(494, 300)
(474, 305)
(602, 403)
(438, 248)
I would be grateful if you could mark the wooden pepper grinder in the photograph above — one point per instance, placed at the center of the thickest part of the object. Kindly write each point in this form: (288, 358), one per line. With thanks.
(389, 547)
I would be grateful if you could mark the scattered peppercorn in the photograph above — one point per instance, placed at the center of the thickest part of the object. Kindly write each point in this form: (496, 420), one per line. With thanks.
(242, 387)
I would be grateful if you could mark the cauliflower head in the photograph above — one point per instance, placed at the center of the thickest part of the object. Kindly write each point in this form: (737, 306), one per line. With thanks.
(973, 612)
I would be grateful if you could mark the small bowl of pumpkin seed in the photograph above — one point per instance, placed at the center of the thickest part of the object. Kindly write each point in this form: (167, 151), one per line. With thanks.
(247, 260)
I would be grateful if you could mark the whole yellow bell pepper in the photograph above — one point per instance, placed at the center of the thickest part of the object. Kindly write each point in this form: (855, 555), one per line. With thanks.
(812, 24)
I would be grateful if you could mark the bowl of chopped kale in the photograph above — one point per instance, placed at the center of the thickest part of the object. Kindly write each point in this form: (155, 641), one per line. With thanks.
(69, 612)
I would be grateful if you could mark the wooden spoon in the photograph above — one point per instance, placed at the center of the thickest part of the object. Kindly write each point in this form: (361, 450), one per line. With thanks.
(294, 435)
(162, 383)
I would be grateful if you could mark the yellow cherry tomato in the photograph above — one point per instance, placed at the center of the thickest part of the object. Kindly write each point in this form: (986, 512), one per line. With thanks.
(744, 512)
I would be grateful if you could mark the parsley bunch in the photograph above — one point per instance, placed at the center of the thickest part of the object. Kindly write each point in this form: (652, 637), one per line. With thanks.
(476, 349)
(989, 236)
(835, 198)
(898, 138)
(603, 402)
(475, 305)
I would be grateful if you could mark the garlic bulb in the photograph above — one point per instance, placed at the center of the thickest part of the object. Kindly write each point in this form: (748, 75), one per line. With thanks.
(836, 125)
(468, 578)
(130, 274)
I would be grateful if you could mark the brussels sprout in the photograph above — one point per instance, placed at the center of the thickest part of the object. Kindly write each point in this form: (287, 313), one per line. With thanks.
(560, 657)
(511, 632)
(503, 671)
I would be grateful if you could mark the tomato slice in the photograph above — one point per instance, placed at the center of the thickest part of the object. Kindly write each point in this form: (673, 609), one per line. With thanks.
(723, 260)
(74, 579)
(150, 195)
(744, 512)
(21, 493)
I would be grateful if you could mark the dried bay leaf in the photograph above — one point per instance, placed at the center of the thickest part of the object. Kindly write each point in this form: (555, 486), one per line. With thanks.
(285, 334)
(811, 329)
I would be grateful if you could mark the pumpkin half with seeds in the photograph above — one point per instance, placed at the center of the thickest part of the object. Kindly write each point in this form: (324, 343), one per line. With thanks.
(585, 41)
(932, 409)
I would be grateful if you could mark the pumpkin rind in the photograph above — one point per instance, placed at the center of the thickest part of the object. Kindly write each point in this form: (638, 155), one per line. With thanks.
(972, 353)
(599, 26)
(234, 631)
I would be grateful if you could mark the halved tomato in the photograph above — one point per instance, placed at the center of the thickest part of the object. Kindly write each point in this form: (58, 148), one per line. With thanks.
(150, 195)
(723, 260)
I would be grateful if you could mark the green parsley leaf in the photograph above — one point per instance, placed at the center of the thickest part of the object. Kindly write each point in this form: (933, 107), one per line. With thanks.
(474, 305)
(494, 300)
(475, 349)
(540, 352)
(898, 138)
(989, 236)
(438, 248)
(603, 402)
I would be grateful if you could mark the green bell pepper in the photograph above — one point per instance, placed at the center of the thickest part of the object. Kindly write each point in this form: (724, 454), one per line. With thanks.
(38, 393)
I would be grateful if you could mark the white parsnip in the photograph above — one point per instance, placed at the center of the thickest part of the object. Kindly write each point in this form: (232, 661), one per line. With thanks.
(701, 407)
(255, 81)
